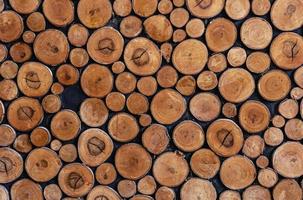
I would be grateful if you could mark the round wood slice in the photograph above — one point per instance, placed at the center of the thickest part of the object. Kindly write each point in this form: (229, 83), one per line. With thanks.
(196, 188)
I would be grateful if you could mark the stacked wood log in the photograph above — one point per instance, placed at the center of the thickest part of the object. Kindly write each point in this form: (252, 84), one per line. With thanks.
(151, 99)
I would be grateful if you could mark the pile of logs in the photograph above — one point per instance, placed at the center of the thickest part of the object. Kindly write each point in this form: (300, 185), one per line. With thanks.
(151, 99)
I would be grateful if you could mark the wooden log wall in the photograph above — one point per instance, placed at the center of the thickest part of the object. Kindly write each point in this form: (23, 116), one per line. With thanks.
(151, 99)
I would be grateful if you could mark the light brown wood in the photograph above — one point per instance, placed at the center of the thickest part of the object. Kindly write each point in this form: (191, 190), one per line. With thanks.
(132, 161)
(23, 144)
(205, 163)
(155, 138)
(237, 172)
(11, 166)
(106, 173)
(65, 125)
(217, 62)
(237, 9)
(236, 56)
(52, 192)
(131, 26)
(147, 85)
(118, 67)
(285, 50)
(36, 22)
(195, 28)
(25, 113)
(8, 90)
(51, 47)
(127, 188)
(167, 106)
(167, 76)
(258, 62)
(42, 164)
(24, 7)
(58, 12)
(147, 185)
(123, 127)
(76, 179)
(158, 27)
(188, 136)
(8, 135)
(165, 6)
(12, 26)
(190, 63)
(77, 35)
(165, 193)
(103, 192)
(224, 137)
(262, 162)
(207, 80)
(273, 136)
(96, 80)
(267, 177)
(253, 146)
(278, 121)
(94, 147)
(68, 153)
(236, 85)
(137, 103)
(40, 137)
(230, 194)
(196, 188)
(115, 101)
(9, 69)
(274, 85)
(105, 45)
(93, 112)
(256, 191)
(26, 189)
(142, 57)
(287, 159)
(144, 8)
(94, 13)
(256, 33)
(186, 85)
(34, 79)
(78, 57)
(205, 106)
(294, 129)
(205, 9)
(126, 82)
(170, 169)
(220, 34)
(289, 188)
(260, 7)
(229, 110)
(254, 116)
(122, 7)
(286, 15)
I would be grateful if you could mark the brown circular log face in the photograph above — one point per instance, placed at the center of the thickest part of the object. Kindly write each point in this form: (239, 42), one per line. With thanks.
(188, 136)
(236, 85)
(168, 106)
(96, 80)
(58, 12)
(274, 85)
(190, 56)
(196, 188)
(102, 192)
(237, 172)
(25, 113)
(105, 45)
(289, 188)
(286, 15)
(224, 137)
(26, 189)
(205, 8)
(220, 34)
(205, 106)
(34, 79)
(254, 116)
(132, 161)
(94, 13)
(94, 146)
(256, 33)
(142, 56)
(155, 138)
(75, 179)
(205, 163)
(170, 169)
(51, 47)
(11, 25)
(65, 125)
(117, 91)
(11, 165)
(42, 164)
(287, 159)
(286, 50)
